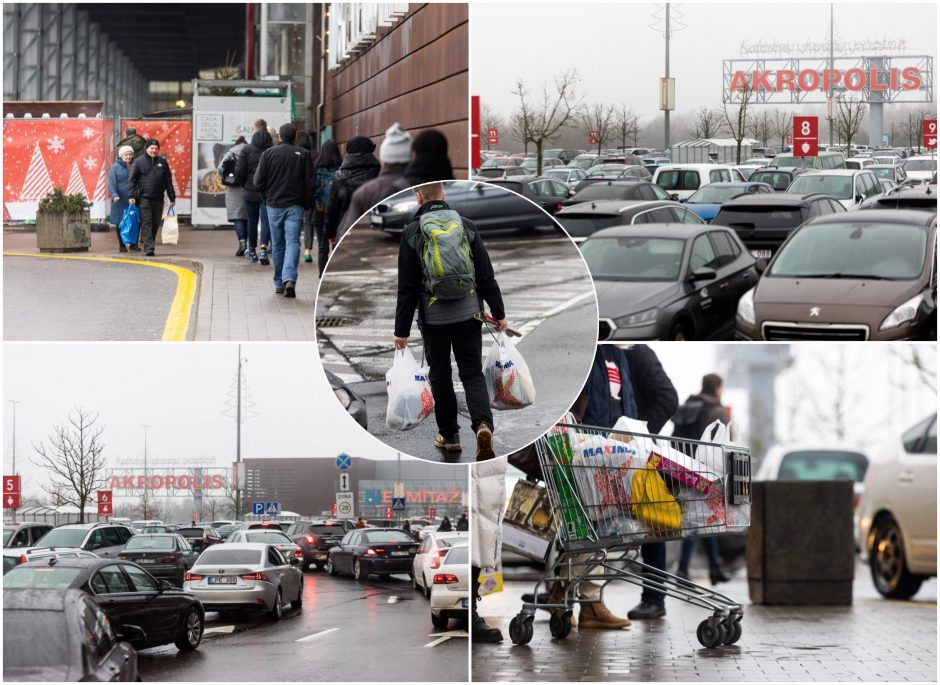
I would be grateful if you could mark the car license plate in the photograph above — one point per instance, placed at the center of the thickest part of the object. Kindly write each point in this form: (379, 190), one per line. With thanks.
(222, 580)
(761, 254)
(399, 553)
(145, 561)
(464, 602)
(376, 219)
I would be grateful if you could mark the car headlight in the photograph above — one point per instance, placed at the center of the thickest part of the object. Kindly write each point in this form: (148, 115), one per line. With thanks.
(343, 396)
(904, 313)
(404, 206)
(643, 318)
(746, 308)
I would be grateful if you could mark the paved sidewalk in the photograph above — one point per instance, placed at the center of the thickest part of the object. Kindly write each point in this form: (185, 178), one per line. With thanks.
(873, 640)
(235, 299)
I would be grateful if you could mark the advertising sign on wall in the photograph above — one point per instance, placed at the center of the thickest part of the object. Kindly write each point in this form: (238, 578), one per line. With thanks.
(176, 142)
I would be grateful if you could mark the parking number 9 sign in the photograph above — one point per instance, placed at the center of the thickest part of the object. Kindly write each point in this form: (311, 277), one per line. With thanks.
(930, 133)
(805, 137)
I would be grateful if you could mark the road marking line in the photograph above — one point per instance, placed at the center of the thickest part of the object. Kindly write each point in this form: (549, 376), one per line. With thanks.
(444, 637)
(177, 321)
(219, 629)
(530, 326)
(438, 641)
(317, 635)
(393, 599)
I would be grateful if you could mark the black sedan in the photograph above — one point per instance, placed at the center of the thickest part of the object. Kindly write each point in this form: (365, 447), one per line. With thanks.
(587, 218)
(352, 403)
(62, 636)
(669, 281)
(167, 556)
(547, 193)
(365, 551)
(625, 189)
(488, 205)
(126, 593)
(201, 536)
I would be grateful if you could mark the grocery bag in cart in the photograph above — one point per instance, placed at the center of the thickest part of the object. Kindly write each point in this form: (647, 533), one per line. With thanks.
(409, 393)
(559, 474)
(508, 380)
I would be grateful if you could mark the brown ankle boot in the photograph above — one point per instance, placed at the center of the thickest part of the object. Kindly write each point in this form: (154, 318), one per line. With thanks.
(599, 616)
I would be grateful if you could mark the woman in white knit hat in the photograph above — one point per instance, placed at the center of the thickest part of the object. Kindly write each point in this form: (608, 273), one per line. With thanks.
(117, 189)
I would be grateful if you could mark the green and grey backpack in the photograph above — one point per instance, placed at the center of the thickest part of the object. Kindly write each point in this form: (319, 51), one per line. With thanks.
(445, 256)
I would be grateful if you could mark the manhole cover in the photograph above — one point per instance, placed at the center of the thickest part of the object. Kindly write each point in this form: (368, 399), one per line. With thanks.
(333, 321)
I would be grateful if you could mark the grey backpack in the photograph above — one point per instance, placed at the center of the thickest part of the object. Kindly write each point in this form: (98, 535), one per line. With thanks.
(446, 259)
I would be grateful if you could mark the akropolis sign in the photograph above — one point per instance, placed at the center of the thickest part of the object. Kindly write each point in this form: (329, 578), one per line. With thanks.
(168, 481)
(855, 79)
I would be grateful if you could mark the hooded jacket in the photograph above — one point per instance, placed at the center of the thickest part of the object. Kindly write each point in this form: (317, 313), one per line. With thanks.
(149, 178)
(285, 176)
(370, 194)
(247, 164)
(356, 169)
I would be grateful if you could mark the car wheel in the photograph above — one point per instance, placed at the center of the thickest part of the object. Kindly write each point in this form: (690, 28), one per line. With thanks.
(439, 622)
(359, 571)
(191, 633)
(277, 609)
(330, 568)
(299, 602)
(888, 565)
(427, 588)
(680, 331)
(414, 583)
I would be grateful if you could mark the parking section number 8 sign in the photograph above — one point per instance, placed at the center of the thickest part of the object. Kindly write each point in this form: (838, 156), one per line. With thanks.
(805, 136)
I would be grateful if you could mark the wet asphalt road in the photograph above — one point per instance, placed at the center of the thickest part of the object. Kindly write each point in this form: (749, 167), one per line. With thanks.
(375, 631)
(548, 294)
(65, 299)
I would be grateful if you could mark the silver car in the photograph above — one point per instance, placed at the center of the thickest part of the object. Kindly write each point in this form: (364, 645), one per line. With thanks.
(269, 536)
(245, 576)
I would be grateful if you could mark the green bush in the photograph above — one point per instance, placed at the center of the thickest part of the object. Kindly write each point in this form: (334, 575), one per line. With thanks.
(57, 202)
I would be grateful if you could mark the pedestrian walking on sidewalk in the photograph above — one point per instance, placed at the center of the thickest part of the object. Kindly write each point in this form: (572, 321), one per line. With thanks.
(245, 168)
(446, 316)
(327, 165)
(462, 523)
(394, 154)
(235, 194)
(429, 160)
(118, 177)
(359, 166)
(150, 177)
(306, 142)
(445, 526)
(285, 179)
(136, 142)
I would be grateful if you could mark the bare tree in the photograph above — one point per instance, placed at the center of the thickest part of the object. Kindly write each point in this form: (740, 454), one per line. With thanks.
(520, 125)
(849, 115)
(597, 118)
(552, 112)
(922, 359)
(626, 125)
(762, 127)
(489, 119)
(782, 126)
(706, 123)
(74, 461)
(736, 119)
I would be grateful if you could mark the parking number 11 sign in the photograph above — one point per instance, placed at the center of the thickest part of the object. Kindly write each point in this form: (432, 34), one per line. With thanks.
(805, 136)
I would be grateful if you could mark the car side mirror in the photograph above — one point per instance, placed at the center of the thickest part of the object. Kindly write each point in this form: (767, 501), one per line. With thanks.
(760, 265)
(703, 274)
(673, 196)
(296, 561)
(132, 633)
(684, 200)
(859, 197)
(163, 586)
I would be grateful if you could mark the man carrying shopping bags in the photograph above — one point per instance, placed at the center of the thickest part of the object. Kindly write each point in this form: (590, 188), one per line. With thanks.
(444, 272)
(149, 178)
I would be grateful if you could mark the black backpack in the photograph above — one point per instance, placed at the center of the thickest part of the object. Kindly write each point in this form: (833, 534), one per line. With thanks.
(227, 171)
(689, 420)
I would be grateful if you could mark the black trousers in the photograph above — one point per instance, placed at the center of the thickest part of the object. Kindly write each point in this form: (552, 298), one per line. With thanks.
(323, 246)
(151, 216)
(465, 340)
(654, 554)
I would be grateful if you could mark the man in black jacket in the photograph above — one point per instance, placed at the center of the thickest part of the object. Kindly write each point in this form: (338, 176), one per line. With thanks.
(285, 179)
(359, 166)
(245, 169)
(449, 324)
(150, 177)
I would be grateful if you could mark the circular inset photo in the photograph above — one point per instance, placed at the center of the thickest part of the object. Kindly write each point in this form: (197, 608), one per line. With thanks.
(462, 316)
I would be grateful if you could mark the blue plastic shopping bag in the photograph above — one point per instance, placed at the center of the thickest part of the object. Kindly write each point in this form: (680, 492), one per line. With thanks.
(130, 225)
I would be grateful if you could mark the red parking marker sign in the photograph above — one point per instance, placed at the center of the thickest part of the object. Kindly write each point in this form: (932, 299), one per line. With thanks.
(805, 136)
(930, 133)
(594, 137)
(105, 503)
(492, 136)
(11, 500)
(475, 132)
(11, 484)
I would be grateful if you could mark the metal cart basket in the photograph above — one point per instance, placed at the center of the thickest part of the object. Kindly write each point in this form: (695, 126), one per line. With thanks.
(612, 491)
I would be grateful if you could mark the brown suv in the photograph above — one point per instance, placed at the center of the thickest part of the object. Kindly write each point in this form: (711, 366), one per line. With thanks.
(868, 275)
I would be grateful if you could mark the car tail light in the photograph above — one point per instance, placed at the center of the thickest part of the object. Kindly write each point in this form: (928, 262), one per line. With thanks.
(254, 576)
(559, 207)
(311, 539)
(370, 552)
(192, 576)
(445, 579)
(298, 553)
(167, 560)
(856, 500)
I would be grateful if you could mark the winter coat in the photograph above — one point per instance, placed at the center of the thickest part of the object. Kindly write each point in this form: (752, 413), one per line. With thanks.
(247, 164)
(117, 187)
(136, 142)
(234, 195)
(356, 169)
(368, 195)
(696, 413)
(149, 178)
(285, 176)
(488, 483)
(462, 524)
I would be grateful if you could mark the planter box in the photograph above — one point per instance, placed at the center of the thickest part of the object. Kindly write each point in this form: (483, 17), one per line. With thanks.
(63, 232)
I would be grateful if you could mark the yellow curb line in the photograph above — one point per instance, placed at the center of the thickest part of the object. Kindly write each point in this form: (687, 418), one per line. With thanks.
(177, 321)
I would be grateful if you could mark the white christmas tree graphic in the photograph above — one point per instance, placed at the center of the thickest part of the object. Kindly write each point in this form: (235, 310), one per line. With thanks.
(76, 184)
(101, 187)
(38, 182)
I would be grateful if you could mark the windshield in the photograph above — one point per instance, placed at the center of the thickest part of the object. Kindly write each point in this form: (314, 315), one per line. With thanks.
(581, 226)
(606, 171)
(778, 180)
(495, 161)
(601, 191)
(715, 195)
(268, 537)
(846, 250)
(678, 179)
(458, 556)
(884, 173)
(44, 643)
(786, 160)
(561, 175)
(220, 555)
(149, 542)
(920, 165)
(839, 187)
(736, 216)
(7, 532)
(62, 537)
(634, 258)
(338, 531)
(46, 577)
(373, 537)
(228, 528)
(823, 465)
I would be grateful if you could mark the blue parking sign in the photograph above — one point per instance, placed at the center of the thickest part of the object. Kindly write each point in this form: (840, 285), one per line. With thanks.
(343, 462)
(257, 508)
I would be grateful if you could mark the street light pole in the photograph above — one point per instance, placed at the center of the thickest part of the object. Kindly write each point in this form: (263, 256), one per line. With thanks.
(146, 477)
(238, 435)
(831, 65)
(666, 112)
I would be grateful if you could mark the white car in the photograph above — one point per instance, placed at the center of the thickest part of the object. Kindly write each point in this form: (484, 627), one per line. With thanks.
(920, 169)
(450, 591)
(276, 537)
(140, 525)
(898, 515)
(434, 546)
(681, 180)
(850, 187)
(566, 174)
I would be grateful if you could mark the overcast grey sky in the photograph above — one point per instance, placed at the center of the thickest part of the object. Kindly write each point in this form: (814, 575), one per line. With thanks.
(620, 59)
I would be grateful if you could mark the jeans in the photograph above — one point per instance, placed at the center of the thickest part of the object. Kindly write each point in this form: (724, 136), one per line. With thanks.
(464, 338)
(241, 228)
(257, 211)
(151, 216)
(323, 246)
(653, 554)
(286, 224)
(688, 546)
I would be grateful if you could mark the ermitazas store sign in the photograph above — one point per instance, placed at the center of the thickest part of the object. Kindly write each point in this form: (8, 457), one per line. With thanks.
(808, 80)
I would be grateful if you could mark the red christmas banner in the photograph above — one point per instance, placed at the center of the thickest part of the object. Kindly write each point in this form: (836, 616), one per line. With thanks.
(42, 154)
(176, 142)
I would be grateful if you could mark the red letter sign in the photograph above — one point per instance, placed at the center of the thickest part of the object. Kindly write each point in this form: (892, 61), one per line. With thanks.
(492, 136)
(805, 140)
(105, 505)
(930, 133)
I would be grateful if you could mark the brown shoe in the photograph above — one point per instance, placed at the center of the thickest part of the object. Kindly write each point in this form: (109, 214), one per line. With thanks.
(448, 445)
(599, 616)
(485, 443)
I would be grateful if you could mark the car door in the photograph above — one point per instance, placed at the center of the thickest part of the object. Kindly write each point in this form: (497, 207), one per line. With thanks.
(733, 280)
(187, 552)
(703, 299)
(290, 577)
(117, 597)
(916, 504)
(341, 556)
(159, 611)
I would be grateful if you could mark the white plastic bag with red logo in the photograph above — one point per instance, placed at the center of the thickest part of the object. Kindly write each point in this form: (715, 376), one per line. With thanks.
(508, 380)
(409, 393)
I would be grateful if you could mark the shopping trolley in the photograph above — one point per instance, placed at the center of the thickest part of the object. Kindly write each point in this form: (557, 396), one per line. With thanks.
(610, 492)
